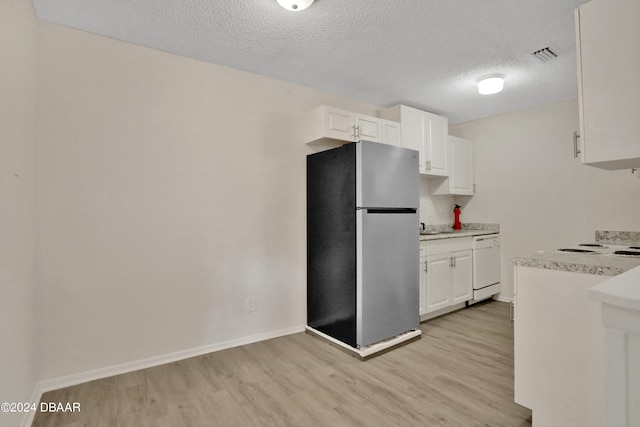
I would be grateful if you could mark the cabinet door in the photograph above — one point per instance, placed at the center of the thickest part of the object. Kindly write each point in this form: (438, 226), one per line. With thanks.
(436, 130)
(339, 124)
(423, 286)
(368, 128)
(462, 279)
(391, 133)
(461, 170)
(413, 133)
(608, 51)
(438, 282)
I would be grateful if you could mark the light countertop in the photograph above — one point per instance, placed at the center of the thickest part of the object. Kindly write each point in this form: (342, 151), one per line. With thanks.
(600, 264)
(468, 229)
(603, 265)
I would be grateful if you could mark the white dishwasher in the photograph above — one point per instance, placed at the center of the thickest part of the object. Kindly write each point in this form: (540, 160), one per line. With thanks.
(486, 267)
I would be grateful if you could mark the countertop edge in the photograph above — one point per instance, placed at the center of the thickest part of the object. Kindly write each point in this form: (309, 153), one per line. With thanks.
(457, 233)
(573, 267)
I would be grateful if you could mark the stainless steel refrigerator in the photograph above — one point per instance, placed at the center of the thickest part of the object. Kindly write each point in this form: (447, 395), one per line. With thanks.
(363, 242)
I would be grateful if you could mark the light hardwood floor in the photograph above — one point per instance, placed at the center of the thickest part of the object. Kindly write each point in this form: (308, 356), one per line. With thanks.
(459, 374)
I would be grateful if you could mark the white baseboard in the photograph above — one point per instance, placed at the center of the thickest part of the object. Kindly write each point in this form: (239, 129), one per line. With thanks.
(44, 386)
(504, 299)
(28, 417)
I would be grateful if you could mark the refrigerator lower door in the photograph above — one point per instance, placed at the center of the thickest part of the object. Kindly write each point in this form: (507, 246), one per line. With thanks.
(387, 263)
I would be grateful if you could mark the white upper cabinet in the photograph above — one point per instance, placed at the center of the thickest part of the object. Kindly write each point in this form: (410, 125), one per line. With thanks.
(426, 133)
(461, 178)
(330, 123)
(436, 143)
(608, 51)
(325, 122)
(368, 128)
(391, 133)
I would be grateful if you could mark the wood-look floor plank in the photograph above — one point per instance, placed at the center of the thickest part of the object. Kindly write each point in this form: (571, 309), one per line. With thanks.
(460, 373)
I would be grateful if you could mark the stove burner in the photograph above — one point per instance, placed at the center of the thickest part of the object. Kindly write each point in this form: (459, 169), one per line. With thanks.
(634, 247)
(592, 245)
(627, 253)
(580, 251)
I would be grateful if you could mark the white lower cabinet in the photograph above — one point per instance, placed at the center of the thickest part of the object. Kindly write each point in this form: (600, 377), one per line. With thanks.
(461, 277)
(559, 347)
(438, 282)
(449, 280)
(446, 273)
(423, 282)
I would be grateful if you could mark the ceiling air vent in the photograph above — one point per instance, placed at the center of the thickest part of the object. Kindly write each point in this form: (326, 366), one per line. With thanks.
(545, 54)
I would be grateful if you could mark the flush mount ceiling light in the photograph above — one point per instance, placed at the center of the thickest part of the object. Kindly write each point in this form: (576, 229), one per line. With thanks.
(490, 85)
(295, 5)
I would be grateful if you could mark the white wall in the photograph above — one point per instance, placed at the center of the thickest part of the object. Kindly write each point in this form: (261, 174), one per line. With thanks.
(18, 373)
(528, 181)
(435, 209)
(170, 191)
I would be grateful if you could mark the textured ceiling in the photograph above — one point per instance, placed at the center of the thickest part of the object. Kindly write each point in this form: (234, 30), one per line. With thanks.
(425, 53)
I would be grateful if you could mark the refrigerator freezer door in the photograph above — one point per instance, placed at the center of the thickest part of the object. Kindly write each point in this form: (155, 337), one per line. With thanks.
(387, 176)
(387, 275)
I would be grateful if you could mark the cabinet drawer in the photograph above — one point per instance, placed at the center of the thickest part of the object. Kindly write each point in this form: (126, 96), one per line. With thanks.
(454, 244)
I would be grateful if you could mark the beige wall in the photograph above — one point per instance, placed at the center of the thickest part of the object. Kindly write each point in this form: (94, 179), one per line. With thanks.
(528, 180)
(18, 373)
(170, 190)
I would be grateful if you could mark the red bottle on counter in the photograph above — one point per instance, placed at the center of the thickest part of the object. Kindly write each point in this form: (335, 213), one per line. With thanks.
(457, 225)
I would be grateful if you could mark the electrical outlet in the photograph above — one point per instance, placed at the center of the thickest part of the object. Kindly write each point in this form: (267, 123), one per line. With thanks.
(250, 303)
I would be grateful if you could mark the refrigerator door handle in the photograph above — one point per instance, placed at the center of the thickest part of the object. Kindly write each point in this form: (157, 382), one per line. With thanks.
(390, 210)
